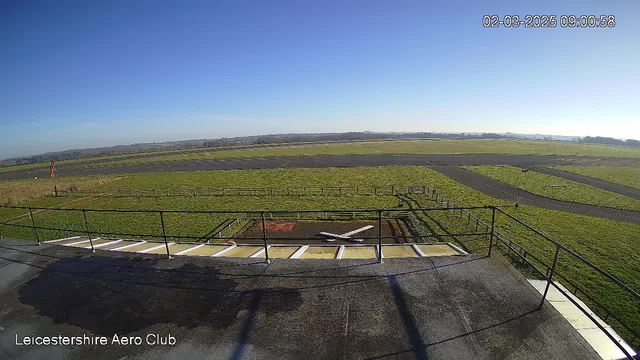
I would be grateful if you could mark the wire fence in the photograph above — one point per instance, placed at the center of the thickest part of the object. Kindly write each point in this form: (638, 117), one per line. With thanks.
(255, 191)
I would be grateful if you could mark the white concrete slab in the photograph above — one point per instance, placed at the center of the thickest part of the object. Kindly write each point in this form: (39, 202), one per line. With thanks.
(598, 340)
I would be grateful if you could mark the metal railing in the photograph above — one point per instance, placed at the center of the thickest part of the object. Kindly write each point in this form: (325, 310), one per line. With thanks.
(447, 205)
(551, 271)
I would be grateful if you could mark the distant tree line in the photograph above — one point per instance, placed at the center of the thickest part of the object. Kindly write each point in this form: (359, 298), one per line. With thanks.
(348, 136)
(611, 141)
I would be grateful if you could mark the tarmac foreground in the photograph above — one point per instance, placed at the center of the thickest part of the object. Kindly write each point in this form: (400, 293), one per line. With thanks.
(449, 307)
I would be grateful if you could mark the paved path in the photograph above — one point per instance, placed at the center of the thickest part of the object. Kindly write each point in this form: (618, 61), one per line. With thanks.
(295, 162)
(503, 191)
(599, 183)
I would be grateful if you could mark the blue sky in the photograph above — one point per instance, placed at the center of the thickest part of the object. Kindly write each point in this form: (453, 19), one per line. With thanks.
(87, 74)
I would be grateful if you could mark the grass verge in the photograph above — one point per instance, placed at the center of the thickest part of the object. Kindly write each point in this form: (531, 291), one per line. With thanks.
(628, 176)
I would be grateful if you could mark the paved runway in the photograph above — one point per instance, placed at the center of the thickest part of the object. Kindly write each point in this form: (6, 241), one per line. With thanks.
(302, 162)
(503, 191)
(595, 182)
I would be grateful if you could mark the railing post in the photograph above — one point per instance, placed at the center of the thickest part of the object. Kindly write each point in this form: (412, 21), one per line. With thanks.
(550, 278)
(379, 236)
(164, 235)
(33, 223)
(493, 222)
(86, 226)
(264, 238)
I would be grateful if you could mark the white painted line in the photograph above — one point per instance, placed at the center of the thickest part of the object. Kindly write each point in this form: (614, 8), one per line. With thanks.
(223, 251)
(105, 244)
(299, 252)
(259, 252)
(79, 242)
(128, 246)
(417, 250)
(458, 249)
(340, 252)
(56, 240)
(153, 248)
(189, 249)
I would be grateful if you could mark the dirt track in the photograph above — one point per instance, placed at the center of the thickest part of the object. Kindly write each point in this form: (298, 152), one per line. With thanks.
(503, 191)
(301, 162)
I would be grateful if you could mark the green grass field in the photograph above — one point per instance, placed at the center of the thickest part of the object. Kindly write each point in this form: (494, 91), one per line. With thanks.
(629, 176)
(422, 146)
(466, 146)
(538, 183)
(609, 244)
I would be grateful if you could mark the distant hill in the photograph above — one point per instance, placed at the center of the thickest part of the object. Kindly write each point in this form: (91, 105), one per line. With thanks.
(611, 141)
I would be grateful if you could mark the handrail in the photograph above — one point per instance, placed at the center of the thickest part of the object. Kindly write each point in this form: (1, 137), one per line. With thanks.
(579, 257)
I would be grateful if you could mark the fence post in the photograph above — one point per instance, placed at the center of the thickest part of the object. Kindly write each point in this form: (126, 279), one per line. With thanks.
(493, 221)
(379, 236)
(264, 238)
(86, 226)
(33, 223)
(550, 278)
(164, 235)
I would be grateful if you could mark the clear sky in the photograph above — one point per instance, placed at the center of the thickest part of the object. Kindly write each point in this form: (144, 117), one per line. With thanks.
(95, 73)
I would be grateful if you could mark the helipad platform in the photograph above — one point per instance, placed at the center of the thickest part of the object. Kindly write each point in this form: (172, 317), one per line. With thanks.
(276, 251)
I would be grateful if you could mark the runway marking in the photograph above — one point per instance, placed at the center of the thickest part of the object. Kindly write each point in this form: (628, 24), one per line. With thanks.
(154, 248)
(417, 250)
(299, 252)
(57, 240)
(458, 249)
(79, 242)
(223, 251)
(259, 252)
(128, 246)
(189, 249)
(105, 244)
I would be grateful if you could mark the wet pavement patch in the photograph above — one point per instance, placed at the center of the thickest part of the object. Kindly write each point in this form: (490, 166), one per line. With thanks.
(106, 297)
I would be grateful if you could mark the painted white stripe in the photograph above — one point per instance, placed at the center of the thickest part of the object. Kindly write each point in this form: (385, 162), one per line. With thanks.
(105, 244)
(259, 252)
(458, 249)
(340, 252)
(223, 251)
(79, 242)
(189, 249)
(128, 246)
(56, 240)
(417, 250)
(299, 252)
(153, 248)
